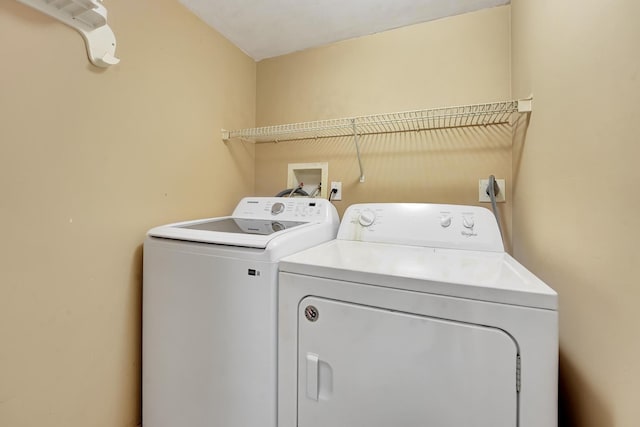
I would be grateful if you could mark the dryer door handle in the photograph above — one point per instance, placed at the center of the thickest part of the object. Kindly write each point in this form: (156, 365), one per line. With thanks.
(312, 376)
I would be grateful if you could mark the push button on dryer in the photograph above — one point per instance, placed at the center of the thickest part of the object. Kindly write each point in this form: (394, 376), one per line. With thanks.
(468, 222)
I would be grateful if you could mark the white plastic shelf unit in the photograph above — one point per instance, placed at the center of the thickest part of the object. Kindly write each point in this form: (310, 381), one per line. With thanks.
(89, 18)
(438, 118)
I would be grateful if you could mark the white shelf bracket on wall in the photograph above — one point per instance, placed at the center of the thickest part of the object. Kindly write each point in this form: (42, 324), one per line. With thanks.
(89, 18)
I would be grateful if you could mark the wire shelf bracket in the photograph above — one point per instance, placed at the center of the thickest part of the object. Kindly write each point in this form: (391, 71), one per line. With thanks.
(487, 114)
(89, 18)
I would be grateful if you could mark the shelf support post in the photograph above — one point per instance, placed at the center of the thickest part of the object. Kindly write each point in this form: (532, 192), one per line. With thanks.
(355, 140)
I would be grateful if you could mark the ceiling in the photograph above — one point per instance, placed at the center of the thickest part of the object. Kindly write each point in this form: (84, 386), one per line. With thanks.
(268, 28)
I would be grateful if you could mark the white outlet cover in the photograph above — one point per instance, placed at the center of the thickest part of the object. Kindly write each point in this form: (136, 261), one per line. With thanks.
(338, 186)
(482, 191)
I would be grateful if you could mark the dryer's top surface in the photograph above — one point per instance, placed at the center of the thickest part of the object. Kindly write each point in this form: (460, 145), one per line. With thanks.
(478, 275)
(256, 222)
(448, 250)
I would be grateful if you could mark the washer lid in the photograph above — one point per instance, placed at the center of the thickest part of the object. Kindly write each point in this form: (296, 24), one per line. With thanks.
(257, 221)
(242, 225)
(245, 232)
(477, 275)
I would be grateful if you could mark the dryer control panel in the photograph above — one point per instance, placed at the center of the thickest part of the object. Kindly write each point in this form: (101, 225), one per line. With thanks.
(423, 224)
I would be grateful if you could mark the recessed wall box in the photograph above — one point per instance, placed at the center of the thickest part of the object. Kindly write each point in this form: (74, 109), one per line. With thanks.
(311, 175)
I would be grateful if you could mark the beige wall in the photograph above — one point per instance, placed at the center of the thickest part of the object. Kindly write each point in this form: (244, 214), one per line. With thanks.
(459, 60)
(576, 200)
(89, 160)
(573, 164)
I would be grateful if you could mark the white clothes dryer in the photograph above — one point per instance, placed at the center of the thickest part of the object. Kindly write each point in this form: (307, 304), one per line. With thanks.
(415, 316)
(210, 310)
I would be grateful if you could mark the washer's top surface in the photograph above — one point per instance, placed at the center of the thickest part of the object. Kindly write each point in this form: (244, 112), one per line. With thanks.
(256, 222)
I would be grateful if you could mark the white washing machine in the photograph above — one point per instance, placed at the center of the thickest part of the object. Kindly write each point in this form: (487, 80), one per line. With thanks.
(210, 297)
(415, 316)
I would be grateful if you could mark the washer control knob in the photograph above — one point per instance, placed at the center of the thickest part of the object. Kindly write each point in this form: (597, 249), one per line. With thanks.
(445, 221)
(276, 226)
(277, 208)
(367, 217)
(467, 221)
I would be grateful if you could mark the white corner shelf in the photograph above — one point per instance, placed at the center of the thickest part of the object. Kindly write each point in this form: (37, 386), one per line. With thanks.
(487, 114)
(89, 18)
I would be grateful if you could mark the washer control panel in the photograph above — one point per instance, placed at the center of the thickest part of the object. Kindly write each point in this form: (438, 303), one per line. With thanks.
(422, 224)
(285, 209)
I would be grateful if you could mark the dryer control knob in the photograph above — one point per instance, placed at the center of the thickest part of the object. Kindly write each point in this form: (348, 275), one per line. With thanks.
(367, 217)
(445, 221)
(277, 208)
(468, 222)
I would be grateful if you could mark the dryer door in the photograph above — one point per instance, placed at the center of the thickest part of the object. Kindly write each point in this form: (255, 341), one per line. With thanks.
(360, 366)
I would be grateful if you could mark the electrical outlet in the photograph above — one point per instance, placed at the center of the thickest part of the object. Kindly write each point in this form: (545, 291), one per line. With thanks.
(338, 186)
(483, 196)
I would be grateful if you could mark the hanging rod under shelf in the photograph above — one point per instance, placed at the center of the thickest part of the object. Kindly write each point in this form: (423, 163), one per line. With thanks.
(437, 118)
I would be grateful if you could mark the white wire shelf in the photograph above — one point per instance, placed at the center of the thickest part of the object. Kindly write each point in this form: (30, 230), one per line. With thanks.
(493, 113)
(438, 118)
